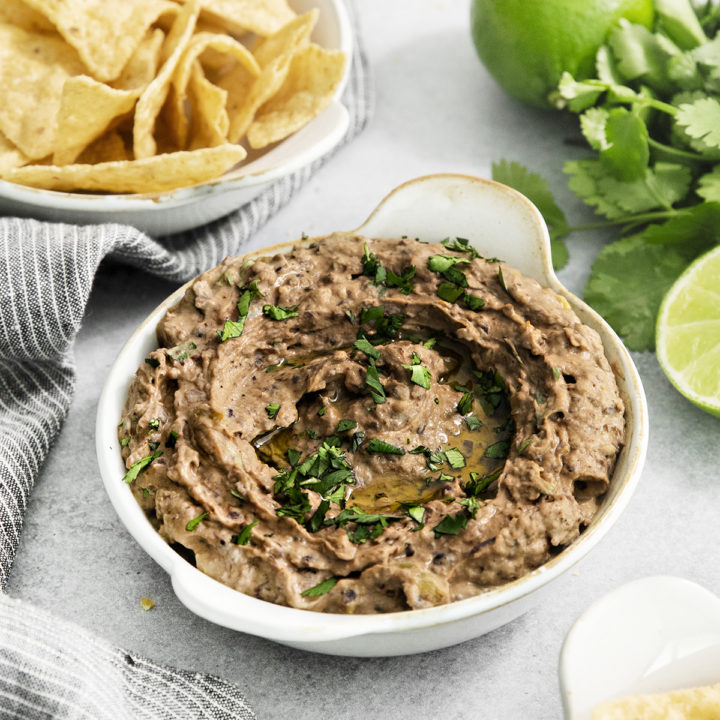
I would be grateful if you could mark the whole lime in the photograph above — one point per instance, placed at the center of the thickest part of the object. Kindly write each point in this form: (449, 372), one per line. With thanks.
(527, 44)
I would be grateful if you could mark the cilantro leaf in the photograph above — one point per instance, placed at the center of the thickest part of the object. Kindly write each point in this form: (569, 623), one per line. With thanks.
(192, 524)
(455, 458)
(372, 267)
(374, 445)
(419, 375)
(701, 120)
(372, 380)
(278, 312)
(403, 282)
(244, 537)
(345, 425)
(138, 466)
(451, 524)
(449, 292)
(364, 345)
(321, 588)
(498, 450)
(627, 283)
(627, 152)
(272, 410)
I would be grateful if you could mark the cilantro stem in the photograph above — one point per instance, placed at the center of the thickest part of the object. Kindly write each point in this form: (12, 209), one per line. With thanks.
(677, 152)
(627, 220)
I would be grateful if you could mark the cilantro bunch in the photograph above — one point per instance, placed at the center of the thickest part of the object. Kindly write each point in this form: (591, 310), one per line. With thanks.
(652, 116)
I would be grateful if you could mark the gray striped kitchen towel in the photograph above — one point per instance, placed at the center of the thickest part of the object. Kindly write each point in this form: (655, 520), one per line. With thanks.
(50, 668)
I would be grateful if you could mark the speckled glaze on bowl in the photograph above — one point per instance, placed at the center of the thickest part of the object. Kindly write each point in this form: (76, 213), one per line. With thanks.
(499, 222)
(186, 208)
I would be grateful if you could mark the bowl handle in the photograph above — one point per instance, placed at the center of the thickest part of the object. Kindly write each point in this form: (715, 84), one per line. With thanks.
(498, 220)
(221, 604)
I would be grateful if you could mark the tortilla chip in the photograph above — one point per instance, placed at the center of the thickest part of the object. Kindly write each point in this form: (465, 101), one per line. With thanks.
(10, 156)
(210, 121)
(289, 38)
(142, 67)
(16, 12)
(245, 93)
(108, 148)
(200, 43)
(149, 175)
(154, 95)
(309, 86)
(263, 17)
(105, 33)
(33, 70)
(87, 109)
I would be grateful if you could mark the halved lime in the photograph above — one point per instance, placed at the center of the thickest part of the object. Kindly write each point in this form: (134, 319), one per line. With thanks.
(688, 333)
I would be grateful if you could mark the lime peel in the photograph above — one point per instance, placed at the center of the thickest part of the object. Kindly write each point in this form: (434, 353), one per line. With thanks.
(688, 333)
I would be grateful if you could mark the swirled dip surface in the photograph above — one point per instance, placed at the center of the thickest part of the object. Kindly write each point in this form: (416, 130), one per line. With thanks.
(365, 425)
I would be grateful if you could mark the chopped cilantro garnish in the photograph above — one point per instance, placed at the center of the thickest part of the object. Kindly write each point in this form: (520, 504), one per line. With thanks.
(272, 410)
(455, 458)
(465, 405)
(419, 375)
(364, 345)
(371, 314)
(525, 444)
(321, 588)
(248, 295)
(498, 450)
(357, 441)
(137, 467)
(375, 445)
(473, 301)
(478, 483)
(351, 317)
(171, 440)
(182, 351)
(372, 380)
(442, 263)
(430, 343)
(473, 423)
(293, 456)
(322, 410)
(232, 329)
(502, 279)
(278, 312)
(154, 423)
(556, 372)
(125, 441)
(309, 432)
(416, 512)
(237, 495)
(451, 524)
(192, 524)
(372, 267)
(449, 292)
(461, 245)
(244, 537)
(472, 504)
(345, 425)
(403, 281)
(152, 362)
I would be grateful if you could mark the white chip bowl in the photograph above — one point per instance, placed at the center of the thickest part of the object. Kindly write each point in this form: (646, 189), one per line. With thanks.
(499, 222)
(186, 208)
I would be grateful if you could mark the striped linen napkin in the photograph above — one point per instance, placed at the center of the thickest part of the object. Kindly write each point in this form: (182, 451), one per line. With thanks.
(50, 668)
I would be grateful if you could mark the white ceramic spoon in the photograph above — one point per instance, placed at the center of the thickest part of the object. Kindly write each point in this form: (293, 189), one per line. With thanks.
(652, 635)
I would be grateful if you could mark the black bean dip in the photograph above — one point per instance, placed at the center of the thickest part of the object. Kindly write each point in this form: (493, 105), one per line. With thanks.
(363, 425)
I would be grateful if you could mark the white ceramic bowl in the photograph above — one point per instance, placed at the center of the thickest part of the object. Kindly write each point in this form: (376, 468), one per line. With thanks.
(186, 208)
(651, 635)
(499, 222)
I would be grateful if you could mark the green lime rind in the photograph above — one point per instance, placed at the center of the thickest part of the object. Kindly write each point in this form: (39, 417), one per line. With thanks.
(688, 333)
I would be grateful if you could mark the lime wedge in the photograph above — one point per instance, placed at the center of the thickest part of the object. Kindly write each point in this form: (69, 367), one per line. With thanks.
(688, 333)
